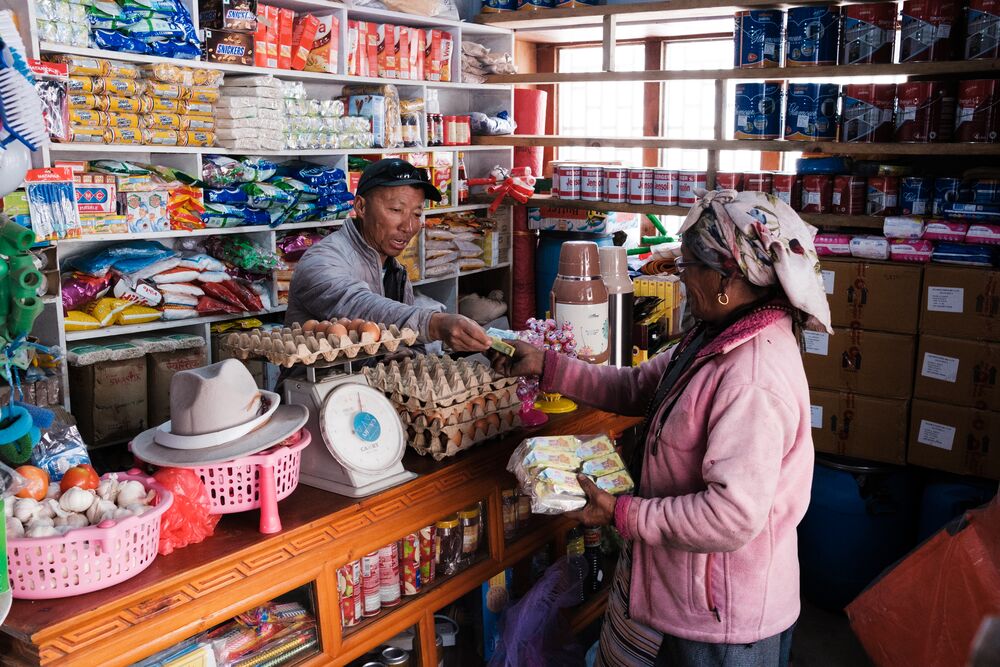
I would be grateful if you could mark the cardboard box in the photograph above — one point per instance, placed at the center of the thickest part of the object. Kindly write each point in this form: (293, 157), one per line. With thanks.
(325, 46)
(235, 15)
(958, 371)
(353, 49)
(864, 362)
(260, 37)
(401, 47)
(955, 439)
(370, 59)
(874, 296)
(303, 37)
(286, 22)
(227, 47)
(432, 55)
(273, 16)
(161, 369)
(418, 43)
(961, 301)
(109, 400)
(95, 193)
(146, 211)
(859, 426)
(387, 65)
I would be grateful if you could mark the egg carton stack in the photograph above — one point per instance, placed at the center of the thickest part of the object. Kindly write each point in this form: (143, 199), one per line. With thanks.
(296, 345)
(250, 114)
(447, 405)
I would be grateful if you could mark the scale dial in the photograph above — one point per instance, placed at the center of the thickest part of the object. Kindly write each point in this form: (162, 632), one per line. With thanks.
(361, 428)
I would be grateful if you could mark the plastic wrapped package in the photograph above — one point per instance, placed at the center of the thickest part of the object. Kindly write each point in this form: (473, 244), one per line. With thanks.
(80, 289)
(189, 520)
(55, 109)
(60, 448)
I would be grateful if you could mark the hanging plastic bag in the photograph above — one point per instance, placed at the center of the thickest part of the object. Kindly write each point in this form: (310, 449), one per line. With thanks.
(189, 519)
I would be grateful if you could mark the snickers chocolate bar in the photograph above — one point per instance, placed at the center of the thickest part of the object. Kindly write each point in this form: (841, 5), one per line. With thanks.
(234, 15)
(226, 46)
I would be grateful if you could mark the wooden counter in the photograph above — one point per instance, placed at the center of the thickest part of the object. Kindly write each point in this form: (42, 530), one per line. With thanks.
(238, 568)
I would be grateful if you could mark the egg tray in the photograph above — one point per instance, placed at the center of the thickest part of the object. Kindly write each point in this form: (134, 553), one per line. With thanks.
(444, 442)
(427, 382)
(475, 408)
(287, 347)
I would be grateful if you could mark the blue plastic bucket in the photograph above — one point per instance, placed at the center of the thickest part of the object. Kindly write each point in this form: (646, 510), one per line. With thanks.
(547, 261)
(949, 496)
(862, 518)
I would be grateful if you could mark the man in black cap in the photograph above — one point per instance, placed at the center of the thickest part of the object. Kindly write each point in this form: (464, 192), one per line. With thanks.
(353, 273)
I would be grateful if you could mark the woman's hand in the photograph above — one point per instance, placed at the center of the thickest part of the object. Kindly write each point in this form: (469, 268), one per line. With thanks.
(600, 507)
(527, 360)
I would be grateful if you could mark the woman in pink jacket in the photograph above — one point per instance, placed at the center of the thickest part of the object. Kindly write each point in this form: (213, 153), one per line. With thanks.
(724, 466)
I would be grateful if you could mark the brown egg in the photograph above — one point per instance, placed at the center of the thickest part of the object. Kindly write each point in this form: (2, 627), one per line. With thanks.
(321, 327)
(354, 325)
(337, 329)
(345, 322)
(370, 328)
(482, 425)
(493, 420)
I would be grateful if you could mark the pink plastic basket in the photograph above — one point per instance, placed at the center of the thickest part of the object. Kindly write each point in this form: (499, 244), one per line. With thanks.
(246, 483)
(87, 559)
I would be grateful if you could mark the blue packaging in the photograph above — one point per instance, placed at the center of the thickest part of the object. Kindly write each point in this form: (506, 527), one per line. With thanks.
(811, 111)
(758, 110)
(757, 38)
(812, 35)
(915, 193)
(945, 194)
(499, 6)
(985, 191)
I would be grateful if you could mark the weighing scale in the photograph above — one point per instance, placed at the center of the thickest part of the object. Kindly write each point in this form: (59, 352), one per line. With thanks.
(358, 439)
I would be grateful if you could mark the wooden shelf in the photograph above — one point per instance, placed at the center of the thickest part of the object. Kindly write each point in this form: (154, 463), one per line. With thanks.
(159, 325)
(825, 71)
(820, 220)
(824, 147)
(591, 610)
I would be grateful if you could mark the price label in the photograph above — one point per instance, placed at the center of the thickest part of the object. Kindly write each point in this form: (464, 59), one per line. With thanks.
(828, 278)
(816, 342)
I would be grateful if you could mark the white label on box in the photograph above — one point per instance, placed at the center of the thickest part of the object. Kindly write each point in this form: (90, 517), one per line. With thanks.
(909, 113)
(769, 48)
(919, 207)
(936, 435)
(741, 120)
(944, 31)
(966, 114)
(940, 367)
(803, 120)
(816, 416)
(836, 198)
(816, 342)
(828, 278)
(814, 198)
(945, 299)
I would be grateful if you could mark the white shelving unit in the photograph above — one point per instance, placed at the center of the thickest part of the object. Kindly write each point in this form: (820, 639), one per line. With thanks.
(454, 97)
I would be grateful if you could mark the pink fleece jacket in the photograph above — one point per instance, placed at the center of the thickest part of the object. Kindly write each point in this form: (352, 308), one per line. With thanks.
(725, 482)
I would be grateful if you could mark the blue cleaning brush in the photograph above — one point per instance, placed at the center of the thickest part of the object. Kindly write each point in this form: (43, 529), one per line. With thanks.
(20, 107)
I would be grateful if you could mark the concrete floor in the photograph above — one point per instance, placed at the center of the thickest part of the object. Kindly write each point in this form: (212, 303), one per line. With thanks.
(824, 639)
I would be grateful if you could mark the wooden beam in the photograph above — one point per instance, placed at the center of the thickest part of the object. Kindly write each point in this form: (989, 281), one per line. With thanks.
(652, 98)
(610, 41)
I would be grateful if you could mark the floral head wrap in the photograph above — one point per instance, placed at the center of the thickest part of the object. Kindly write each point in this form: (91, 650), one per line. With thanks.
(762, 238)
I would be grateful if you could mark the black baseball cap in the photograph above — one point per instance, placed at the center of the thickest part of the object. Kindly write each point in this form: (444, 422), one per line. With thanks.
(392, 172)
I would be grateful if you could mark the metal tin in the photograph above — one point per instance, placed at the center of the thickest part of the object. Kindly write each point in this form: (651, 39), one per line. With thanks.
(349, 589)
(868, 33)
(687, 183)
(866, 113)
(388, 567)
(758, 182)
(665, 187)
(758, 110)
(728, 180)
(427, 564)
(882, 195)
(395, 657)
(978, 112)
(946, 191)
(983, 191)
(848, 197)
(811, 36)
(569, 181)
(811, 111)
(640, 186)
(534, 5)
(591, 188)
(374, 663)
(495, 6)
(371, 584)
(615, 184)
(915, 195)
(409, 564)
(928, 30)
(983, 30)
(817, 193)
(925, 111)
(757, 38)
(788, 188)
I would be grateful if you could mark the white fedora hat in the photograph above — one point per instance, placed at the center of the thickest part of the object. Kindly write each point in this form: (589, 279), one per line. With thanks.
(218, 414)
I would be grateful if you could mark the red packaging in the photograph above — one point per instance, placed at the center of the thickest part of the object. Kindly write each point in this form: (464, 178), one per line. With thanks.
(273, 16)
(833, 245)
(388, 567)
(371, 584)
(928, 30)
(758, 182)
(352, 48)
(401, 40)
(303, 37)
(925, 112)
(981, 232)
(409, 564)
(687, 183)
(946, 230)
(665, 183)
(418, 42)
(868, 33)
(432, 56)
(615, 184)
(849, 194)
(882, 195)
(728, 180)
(447, 44)
(370, 35)
(910, 250)
(427, 564)
(867, 112)
(260, 38)
(817, 193)
(286, 21)
(349, 589)
(385, 45)
(788, 188)
(978, 115)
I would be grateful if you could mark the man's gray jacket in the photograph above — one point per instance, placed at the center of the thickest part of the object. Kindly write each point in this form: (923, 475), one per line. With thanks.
(340, 277)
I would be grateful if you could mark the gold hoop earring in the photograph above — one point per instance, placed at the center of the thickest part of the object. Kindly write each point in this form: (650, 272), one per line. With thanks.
(723, 299)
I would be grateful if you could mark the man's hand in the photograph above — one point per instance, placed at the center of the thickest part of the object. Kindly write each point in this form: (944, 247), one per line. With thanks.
(527, 360)
(458, 332)
(600, 507)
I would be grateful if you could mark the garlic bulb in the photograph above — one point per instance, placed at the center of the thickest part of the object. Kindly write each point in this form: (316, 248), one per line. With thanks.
(129, 493)
(8, 508)
(52, 491)
(53, 505)
(39, 521)
(100, 510)
(108, 488)
(26, 509)
(71, 520)
(44, 509)
(76, 499)
(14, 527)
(138, 509)
(121, 513)
(41, 531)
